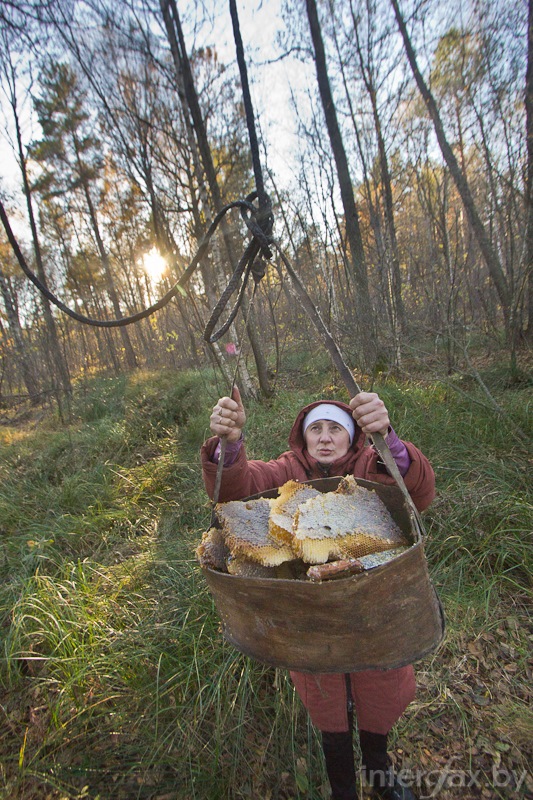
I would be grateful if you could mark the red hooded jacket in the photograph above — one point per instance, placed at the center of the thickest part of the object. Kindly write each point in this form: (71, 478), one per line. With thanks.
(244, 478)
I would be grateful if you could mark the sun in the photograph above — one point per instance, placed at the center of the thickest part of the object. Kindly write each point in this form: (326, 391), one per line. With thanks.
(154, 264)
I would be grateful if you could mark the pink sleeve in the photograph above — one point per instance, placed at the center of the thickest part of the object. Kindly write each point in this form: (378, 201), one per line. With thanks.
(398, 452)
(232, 451)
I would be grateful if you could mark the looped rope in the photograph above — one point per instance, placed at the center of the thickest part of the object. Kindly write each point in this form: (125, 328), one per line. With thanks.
(259, 222)
(250, 215)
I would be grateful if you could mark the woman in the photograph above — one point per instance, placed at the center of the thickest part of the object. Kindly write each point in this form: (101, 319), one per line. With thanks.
(327, 439)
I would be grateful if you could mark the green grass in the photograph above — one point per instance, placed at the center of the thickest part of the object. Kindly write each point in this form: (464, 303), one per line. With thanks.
(115, 681)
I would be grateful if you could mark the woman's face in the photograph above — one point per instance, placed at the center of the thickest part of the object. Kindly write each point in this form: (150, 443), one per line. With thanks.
(326, 441)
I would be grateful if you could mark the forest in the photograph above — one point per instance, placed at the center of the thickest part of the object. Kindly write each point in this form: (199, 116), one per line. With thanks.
(354, 179)
(406, 213)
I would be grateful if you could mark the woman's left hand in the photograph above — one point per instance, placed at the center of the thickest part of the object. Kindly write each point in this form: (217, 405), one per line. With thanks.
(370, 413)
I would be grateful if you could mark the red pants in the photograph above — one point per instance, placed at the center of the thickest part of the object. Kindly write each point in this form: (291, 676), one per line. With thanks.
(380, 698)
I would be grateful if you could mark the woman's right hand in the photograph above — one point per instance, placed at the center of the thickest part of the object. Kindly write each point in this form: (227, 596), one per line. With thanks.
(228, 417)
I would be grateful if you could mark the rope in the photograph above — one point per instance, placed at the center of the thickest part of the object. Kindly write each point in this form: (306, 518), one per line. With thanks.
(264, 217)
(224, 439)
(260, 243)
(259, 221)
(249, 214)
(249, 264)
(247, 99)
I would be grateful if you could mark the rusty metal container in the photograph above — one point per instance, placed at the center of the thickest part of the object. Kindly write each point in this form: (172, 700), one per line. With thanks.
(383, 618)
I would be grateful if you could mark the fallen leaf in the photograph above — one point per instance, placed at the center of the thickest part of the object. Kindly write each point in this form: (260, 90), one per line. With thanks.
(503, 747)
(480, 700)
(475, 648)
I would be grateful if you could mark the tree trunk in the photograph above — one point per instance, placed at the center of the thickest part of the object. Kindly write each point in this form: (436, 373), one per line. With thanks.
(387, 239)
(23, 359)
(364, 322)
(55, 352)
(528, 199)
(393, 257)
(131, 360)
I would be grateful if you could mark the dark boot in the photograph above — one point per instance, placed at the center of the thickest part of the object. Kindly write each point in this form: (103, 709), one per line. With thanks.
(377, 768)
(338, 752)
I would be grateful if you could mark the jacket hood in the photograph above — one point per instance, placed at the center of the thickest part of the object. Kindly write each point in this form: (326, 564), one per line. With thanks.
(297, 441)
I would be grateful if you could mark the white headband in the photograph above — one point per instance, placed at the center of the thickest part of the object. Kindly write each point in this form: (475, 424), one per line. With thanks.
(332, 413)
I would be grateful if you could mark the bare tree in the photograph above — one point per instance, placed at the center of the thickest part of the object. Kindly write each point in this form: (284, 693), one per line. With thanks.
(392, 258)
(53, 351)
(72, 160)
(528, 198)
(23, 358)
(364, 317)
(489, 253)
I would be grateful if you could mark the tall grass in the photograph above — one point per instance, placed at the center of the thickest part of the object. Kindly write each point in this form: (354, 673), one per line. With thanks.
(115, 679)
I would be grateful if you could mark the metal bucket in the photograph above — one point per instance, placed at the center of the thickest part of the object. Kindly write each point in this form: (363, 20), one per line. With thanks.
(383, 618)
